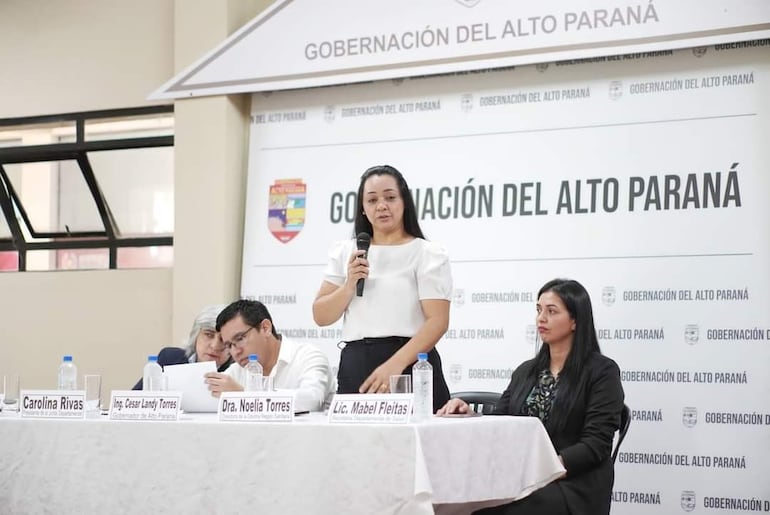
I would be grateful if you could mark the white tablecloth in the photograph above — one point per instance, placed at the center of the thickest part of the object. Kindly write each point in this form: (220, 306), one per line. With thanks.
(199, 465)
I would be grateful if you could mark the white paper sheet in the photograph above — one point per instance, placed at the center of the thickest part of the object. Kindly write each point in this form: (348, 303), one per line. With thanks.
(188, 378)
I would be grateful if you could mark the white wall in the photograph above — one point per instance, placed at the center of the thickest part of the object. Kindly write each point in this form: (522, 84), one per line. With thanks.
(82, 55)
(109, 320)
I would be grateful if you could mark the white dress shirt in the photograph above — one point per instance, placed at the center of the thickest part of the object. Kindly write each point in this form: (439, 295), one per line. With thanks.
(301, 367)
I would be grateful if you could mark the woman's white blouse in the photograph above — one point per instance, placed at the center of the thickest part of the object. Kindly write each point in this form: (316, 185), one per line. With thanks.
(400, 276)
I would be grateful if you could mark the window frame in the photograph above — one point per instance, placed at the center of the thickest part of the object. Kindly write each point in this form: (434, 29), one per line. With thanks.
(77, 151)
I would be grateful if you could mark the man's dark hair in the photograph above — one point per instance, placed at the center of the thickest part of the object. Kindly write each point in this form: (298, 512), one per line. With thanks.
(253, 313)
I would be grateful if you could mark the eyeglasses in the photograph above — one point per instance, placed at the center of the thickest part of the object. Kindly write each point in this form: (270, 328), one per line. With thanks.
(239, 340)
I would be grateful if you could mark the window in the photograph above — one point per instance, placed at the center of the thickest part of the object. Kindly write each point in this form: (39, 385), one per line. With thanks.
(87, 190)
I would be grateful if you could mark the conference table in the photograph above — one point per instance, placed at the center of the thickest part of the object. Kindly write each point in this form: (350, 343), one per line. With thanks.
(308, 466)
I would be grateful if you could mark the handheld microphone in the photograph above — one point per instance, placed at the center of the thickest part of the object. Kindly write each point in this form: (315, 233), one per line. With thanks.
(363, 240)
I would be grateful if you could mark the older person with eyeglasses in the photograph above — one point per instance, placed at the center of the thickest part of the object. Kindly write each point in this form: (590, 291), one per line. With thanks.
(246, 327)
(203, 344)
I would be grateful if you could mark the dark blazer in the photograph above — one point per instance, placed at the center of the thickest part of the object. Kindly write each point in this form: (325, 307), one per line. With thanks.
(585, 442)
(176, 356)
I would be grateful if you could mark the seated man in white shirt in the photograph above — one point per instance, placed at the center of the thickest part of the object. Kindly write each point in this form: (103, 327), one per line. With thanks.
(247, 328)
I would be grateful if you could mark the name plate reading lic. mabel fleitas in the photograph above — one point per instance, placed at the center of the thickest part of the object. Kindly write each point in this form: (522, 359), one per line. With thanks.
(52, 403)
(145, 405)
(256, 407)
(391, 408)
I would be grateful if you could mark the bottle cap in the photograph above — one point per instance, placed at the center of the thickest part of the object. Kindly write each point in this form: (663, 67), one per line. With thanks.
(67, 358)
(422, 355)
(253, 357)
(152, 358)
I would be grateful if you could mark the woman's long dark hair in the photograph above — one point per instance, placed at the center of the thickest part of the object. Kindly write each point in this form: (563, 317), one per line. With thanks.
(584, 345)
(411, 225)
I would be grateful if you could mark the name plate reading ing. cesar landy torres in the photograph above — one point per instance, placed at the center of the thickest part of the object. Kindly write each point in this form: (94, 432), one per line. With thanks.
(145, 405)
(52, 403)
(392, 408)
(256, 407)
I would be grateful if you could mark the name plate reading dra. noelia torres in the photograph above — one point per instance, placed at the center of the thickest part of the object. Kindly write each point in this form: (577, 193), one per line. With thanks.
(265, 406)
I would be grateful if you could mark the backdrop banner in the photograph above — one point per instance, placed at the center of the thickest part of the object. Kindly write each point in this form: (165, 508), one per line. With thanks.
(404, 38)
(643, 176)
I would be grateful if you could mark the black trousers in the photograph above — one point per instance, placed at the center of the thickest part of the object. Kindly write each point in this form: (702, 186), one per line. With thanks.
(548, 500)
(359, 358)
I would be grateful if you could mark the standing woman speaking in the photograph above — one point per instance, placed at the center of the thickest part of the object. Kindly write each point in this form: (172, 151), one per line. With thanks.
(403, 308)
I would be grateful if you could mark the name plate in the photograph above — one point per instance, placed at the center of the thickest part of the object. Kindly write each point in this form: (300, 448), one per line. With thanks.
(52, 403)
(256, 407)
(144, 405)
(392, 408)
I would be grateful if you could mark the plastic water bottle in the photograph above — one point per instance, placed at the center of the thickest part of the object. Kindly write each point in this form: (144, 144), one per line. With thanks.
(422, 386)
(152, 380)
(68, 374)
(253, 374)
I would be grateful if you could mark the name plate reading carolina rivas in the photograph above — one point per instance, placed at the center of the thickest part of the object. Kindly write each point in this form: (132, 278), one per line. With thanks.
(256, 407)
(144, 405)
(52, 403)
(391, 408)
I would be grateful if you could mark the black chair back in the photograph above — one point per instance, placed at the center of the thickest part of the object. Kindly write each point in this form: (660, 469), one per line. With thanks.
(480, 402)
(625, 421)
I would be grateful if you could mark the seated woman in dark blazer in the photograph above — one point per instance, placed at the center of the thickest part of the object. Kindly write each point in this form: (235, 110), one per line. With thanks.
(577, 394)
(203, 344)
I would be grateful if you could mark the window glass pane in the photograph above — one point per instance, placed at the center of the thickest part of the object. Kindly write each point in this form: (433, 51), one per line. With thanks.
(55, 196)
(41, 260)
(9, 261)
(146, 257)
(80, 259)
(77, 207)
(130, 127)
(5, 232)
(9, 140)
(138, 185)
(14, 173)
(35, 134)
